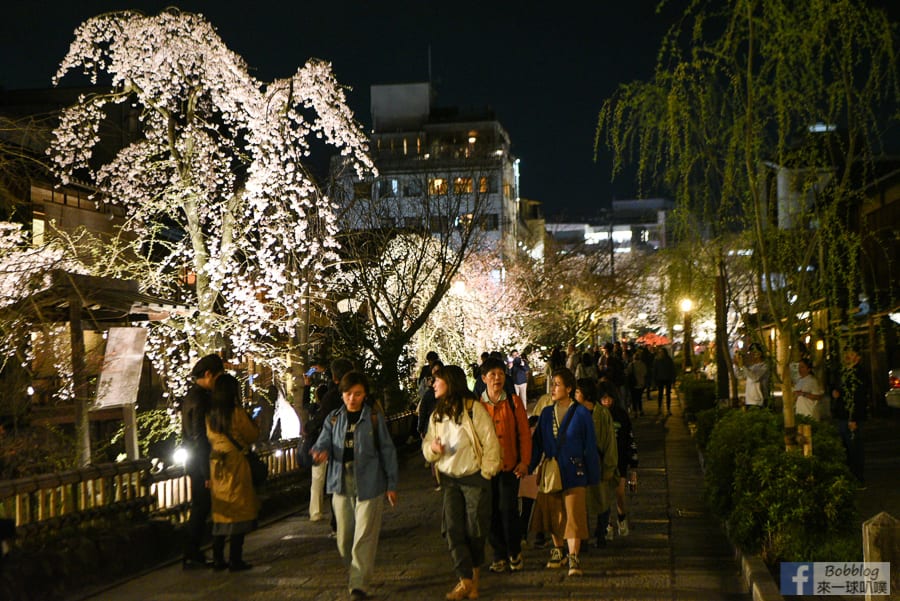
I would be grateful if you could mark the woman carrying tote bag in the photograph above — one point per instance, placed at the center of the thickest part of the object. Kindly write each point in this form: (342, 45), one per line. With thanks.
(463, 445)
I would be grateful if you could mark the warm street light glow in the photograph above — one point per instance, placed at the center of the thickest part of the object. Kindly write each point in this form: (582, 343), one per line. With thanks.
(687, 305)
(820, 344)
(180, 455)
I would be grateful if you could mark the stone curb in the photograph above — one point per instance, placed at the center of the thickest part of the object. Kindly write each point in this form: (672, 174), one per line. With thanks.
(757, 577)
(754, 571)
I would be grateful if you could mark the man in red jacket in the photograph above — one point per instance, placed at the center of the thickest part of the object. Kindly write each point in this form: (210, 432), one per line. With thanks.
(511, 424)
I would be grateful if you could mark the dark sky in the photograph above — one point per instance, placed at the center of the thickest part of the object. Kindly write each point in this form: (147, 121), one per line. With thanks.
(544, 67)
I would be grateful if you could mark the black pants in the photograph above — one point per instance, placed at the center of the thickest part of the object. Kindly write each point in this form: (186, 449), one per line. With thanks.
(235, 549)
(201, 504)
(505, 535)
(668, 387)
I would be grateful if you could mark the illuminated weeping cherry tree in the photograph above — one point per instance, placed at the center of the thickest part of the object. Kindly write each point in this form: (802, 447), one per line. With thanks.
(214, 188)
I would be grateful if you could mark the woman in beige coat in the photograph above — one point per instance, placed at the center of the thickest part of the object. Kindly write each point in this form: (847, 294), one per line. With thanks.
(234, 502)
(462, 443)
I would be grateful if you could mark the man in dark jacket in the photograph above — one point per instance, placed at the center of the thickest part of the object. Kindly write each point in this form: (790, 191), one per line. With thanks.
(193, 435)
(850, 398)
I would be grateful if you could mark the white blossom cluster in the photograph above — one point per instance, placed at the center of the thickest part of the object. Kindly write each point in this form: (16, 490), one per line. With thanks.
(26, 270)
(216, 179)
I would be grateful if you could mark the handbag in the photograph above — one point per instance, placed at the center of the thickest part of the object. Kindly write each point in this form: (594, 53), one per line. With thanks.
(550, 479)
(303, 456)
(259, 469)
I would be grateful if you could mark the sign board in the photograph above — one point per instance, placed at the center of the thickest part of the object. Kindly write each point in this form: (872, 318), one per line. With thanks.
(122, 363)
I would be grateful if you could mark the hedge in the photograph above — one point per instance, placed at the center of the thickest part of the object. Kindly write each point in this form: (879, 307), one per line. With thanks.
(779, 504)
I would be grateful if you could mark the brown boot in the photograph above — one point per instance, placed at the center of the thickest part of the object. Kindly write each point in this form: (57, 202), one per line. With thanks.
(463, 590)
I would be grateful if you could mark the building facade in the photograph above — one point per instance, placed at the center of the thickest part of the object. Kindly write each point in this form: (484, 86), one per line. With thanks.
(437, 169)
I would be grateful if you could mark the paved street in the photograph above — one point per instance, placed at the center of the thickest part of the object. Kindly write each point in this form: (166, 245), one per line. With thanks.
(675, 552)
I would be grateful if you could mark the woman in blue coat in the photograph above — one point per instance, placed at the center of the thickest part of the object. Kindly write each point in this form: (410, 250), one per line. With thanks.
(565, 431)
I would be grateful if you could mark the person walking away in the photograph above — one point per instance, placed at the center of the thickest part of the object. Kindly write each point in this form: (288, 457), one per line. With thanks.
(235, 505)
(462, 443)
(626, 450)
(511, 425)
(193, 435)
(663, 377)
(808, 392)
(520, 377)
(636, 377)
(565, 432)
(362, 471)
(755, 370)
(849, 409)
(600, 496)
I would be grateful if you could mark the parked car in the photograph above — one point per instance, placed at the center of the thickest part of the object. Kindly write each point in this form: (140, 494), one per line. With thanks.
(892, 396)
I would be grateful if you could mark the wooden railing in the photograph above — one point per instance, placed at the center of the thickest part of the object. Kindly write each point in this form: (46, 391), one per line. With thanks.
(105, 490)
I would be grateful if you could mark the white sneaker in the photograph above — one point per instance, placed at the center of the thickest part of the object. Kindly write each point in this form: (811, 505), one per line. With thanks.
(623, 527)
(610, 532)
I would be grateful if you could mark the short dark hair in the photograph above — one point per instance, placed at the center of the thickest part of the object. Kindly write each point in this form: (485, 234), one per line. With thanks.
(492, 363)
(339, 367)
(351, 379)
(212, 363)
(588, 388)
(431, 356)
(565, 374)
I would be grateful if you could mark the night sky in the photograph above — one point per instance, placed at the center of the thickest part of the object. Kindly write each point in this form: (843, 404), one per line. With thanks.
(543, 67)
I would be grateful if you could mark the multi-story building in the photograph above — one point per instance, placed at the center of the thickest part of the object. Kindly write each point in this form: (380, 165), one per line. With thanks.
(440, 168)
(630, 224)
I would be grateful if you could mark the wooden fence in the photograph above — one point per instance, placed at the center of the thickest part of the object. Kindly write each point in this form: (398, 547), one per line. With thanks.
(77, 497)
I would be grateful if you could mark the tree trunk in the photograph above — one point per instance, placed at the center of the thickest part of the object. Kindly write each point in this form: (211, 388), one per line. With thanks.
(79, 378)
(723, 363)
(786, 347)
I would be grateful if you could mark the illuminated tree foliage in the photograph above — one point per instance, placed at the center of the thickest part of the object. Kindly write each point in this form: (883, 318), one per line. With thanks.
(572, 294)
(400, 260)
(728, 115)
(222, 211)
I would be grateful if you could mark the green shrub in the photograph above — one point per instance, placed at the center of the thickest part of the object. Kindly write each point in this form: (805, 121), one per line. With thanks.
(706, 422)
(779, 504)
(791, 507)
(735, 440)
(697, 394)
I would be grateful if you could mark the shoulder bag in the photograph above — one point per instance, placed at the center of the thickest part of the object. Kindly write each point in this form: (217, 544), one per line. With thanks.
(550, 479)
(259, 470)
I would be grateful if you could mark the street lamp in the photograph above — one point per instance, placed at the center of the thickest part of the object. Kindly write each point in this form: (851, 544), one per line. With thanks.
(687, 305)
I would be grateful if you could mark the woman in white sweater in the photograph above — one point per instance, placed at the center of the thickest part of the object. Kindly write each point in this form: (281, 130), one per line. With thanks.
(462, 443)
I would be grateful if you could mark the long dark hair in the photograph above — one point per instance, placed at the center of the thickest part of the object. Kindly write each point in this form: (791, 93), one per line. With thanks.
(452, 403)
(226, 396)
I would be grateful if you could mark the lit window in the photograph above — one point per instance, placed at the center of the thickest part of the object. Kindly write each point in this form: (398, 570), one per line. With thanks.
(437, 185)
(462, 185)
(484, 185)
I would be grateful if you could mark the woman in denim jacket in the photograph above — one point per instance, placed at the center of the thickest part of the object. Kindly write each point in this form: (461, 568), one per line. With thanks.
(362, 469)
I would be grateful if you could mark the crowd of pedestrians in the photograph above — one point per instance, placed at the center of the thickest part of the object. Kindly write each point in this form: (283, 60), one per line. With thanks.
(557, 473)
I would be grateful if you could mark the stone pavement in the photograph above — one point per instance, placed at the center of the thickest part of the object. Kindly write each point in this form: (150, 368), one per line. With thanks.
(676, 551)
